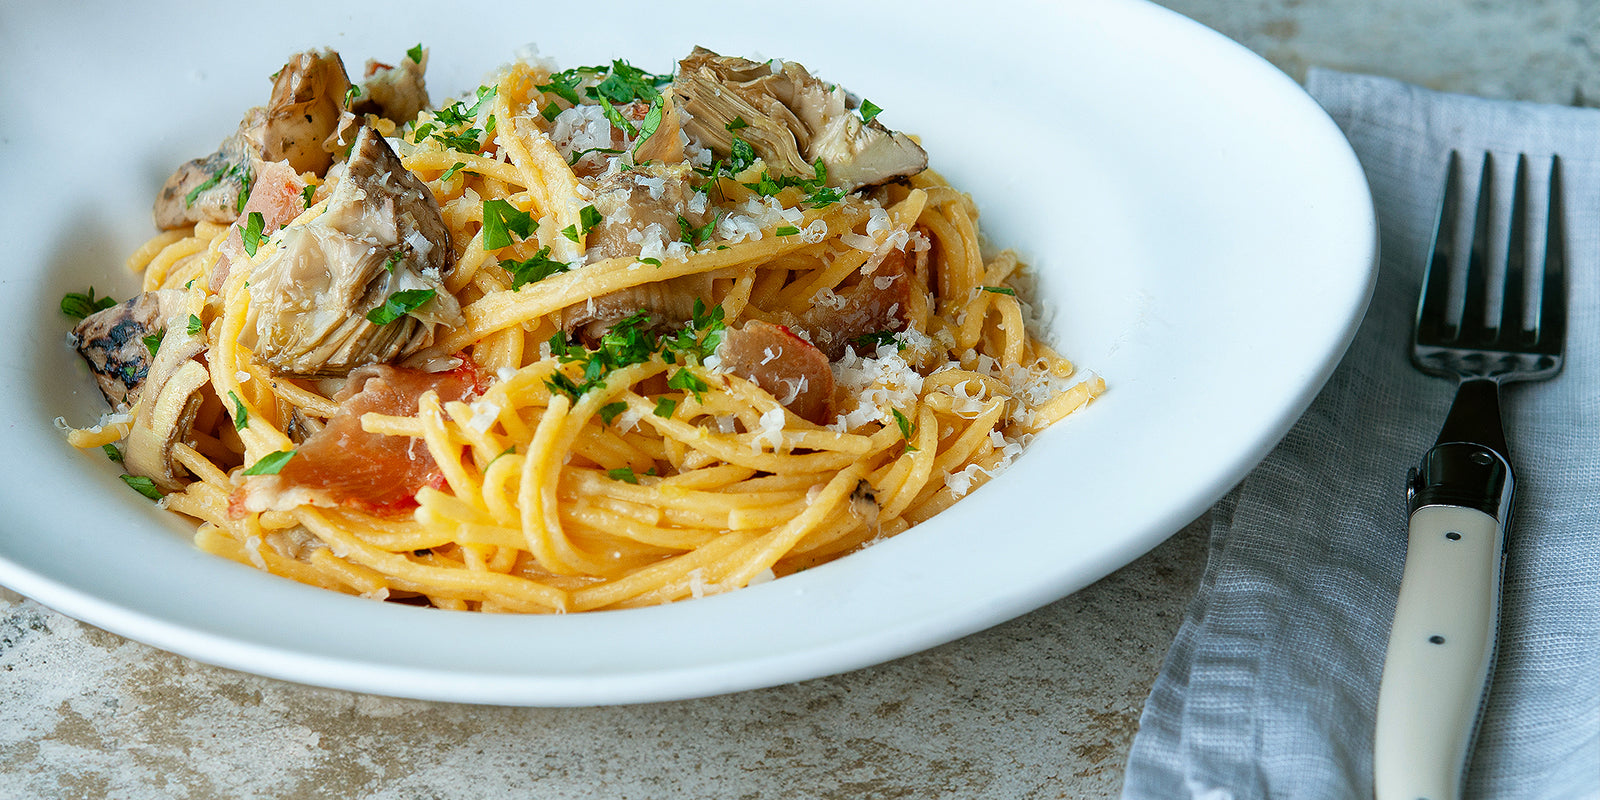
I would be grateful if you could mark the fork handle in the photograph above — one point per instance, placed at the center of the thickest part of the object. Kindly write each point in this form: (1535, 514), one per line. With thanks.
(1441, 652)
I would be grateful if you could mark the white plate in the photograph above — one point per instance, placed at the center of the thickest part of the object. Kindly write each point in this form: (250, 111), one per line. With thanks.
(1202, 227)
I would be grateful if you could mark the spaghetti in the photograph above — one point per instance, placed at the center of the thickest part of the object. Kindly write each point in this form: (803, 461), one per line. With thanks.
(654, 350)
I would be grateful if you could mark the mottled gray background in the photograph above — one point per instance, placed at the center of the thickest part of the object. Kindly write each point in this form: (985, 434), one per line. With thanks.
(1043, 706)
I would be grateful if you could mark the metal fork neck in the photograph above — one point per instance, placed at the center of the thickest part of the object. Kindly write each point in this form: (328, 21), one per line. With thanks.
(1475, 417)
(1470, 465)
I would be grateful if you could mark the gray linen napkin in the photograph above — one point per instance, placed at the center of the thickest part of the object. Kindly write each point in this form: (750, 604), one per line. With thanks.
(1269, 689)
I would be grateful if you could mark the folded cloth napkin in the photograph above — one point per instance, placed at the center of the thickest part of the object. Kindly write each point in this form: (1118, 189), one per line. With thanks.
(1270, 687)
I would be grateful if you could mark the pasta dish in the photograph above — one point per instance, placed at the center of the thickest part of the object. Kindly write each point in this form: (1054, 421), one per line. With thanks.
(582, 339)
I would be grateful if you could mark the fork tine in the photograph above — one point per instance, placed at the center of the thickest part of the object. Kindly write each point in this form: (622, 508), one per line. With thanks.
(1552, 320)
(1514, 303)
(1432, 317)
(1473, 328)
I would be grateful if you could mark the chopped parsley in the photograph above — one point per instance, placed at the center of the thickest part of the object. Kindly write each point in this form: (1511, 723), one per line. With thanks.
(500, 220)
(399, 304)
(534, 269)
(906, 429)
(1009, 292)
(736, 125)
(241, 171)
(654, 262)
(153, 341)
(786, 230)
(394, 260)
(252, 234)
(588, 217)
(451, 172)
(241, 418)
(609, 411)
(144, 486)
(624, 474)
(112, 452)
(458, 115)
(306, 193)
(512, 450)
(579, 154)
(665, 406)
(684, 380)
(692, 236)
(415, 54)
(271, 463)
(630, 341)
(872, 341)
(869, 110)
(247, 179)
(195, 325)
(79, 305)
(616, 119)
(351, 94)
(648, 128)
(741, 155)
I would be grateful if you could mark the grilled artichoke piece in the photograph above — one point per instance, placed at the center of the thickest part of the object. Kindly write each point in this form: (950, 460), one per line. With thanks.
(295, 125)
(381, 234)
(791, 120)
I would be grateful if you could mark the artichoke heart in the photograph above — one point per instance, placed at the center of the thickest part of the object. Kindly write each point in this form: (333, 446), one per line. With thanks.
(381, 234)
(791, 119)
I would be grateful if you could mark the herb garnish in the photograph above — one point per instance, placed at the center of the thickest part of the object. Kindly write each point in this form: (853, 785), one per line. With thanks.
(195, 326)
(251, 235)
(624, 474)
(534, 269)
(241, 418)
(144, 486)
(153, 341)
(306, 194)
(906, 429)
(271, 463)
(609, 411)
(869, 110)
(500, 220)
(629, 342)
(399, 304)
(415, 54)
(1000, 290)
(588, 217)
(872, 341)
(79, 306)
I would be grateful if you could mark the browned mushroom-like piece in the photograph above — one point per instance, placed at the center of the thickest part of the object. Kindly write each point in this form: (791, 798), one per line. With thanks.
(876, 301)
(169, 392)
(381, 235)
(791, 120)
(788, 367)
(635, 206)
(114, 341)
(295, 126)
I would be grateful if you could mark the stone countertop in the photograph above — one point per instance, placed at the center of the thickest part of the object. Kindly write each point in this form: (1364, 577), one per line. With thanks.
(1042, 706)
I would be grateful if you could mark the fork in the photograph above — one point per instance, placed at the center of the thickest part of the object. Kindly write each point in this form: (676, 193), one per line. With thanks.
(1441, 646)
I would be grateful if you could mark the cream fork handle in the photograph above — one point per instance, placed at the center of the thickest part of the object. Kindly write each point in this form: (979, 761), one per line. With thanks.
(1441, 650)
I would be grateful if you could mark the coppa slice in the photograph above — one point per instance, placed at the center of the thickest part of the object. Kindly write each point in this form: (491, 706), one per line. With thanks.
(788, 367)
(343, 465)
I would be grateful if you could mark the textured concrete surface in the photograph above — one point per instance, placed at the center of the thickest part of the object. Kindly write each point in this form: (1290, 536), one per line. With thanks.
(1043, 706)
(1040, 707)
